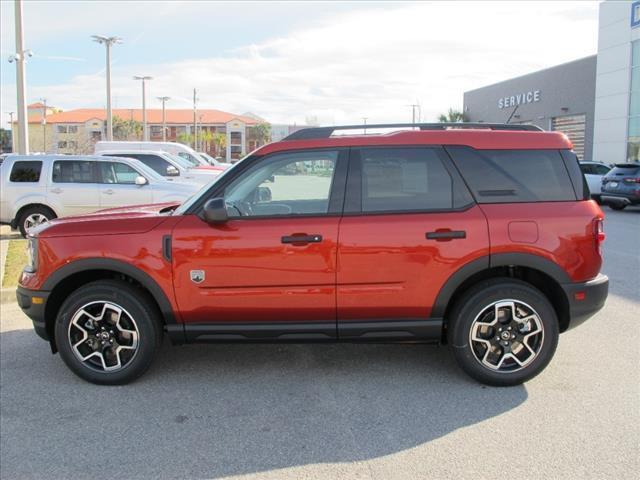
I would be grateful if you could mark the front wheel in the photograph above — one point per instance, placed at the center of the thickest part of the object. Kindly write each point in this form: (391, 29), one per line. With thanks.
(503, 332)
(617, 206)
(32, 217)
(107, 332)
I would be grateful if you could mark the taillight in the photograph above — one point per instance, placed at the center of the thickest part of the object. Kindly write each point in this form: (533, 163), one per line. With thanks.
(632, 180)
(598, 234)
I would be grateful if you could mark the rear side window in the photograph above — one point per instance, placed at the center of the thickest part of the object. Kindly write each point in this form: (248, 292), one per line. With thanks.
(624, 171)
(72, 171)
(507, 176)
(406, 179)
(26, 172)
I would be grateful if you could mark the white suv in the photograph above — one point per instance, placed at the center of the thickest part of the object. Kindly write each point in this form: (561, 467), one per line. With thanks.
(35, 189)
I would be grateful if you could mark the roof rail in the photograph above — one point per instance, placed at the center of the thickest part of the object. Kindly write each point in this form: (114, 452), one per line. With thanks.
(326, 132)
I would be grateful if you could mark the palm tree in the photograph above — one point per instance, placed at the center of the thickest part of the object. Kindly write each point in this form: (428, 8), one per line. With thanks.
(220, 142)
(452, 116)
(206, 137)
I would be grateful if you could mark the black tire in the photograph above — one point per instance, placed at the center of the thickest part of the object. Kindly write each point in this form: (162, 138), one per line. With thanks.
(480, 298)
(35, 210)
(617, 206)
(137, 304)
(597, 198)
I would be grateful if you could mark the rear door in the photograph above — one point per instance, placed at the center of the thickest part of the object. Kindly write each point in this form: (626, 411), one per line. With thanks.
(74, 187)
(409, 224)
(118, 186)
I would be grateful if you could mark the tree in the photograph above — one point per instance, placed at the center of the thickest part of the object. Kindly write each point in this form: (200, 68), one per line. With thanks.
(205, 138)
(220, 142)
(185, 138)
(452, 116)
(262, 133)
(126, 129)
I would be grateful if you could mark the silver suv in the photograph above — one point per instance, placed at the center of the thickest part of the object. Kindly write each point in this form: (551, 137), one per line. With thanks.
(37, 188)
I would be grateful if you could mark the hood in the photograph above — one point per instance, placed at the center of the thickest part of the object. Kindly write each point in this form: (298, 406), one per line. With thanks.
(112, 221)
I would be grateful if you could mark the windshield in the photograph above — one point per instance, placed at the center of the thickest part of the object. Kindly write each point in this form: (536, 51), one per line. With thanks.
(193, 162)
(194, 198)
(179, 160)
(208, 158)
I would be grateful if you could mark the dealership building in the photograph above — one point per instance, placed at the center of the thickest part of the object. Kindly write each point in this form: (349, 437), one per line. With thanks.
(594, 100)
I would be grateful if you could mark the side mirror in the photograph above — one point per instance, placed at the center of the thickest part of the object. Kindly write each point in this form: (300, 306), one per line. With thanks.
(172, 171)
(140, 180)
(215, 211)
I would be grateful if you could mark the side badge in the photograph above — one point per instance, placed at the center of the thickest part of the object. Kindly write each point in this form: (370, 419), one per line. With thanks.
(197, 276)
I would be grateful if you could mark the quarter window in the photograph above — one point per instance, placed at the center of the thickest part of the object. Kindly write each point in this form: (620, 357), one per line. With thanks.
(26, 172)
(508, 176)
(285, 184)
(72, 171)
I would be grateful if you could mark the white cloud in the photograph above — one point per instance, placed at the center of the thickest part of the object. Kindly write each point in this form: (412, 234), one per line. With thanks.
(366, 63)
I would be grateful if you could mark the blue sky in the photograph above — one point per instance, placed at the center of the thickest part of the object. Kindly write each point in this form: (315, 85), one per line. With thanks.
(289, 61)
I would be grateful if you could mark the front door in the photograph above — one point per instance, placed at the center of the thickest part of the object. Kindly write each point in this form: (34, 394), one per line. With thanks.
(118, 186)
(274, 261)
(409, 224)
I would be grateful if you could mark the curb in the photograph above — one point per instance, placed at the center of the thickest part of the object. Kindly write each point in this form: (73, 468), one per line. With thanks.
(7, 295)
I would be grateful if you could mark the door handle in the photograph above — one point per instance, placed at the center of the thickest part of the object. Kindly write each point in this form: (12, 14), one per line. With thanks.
(108, 192)
(56, 190)
(446, 235)
(301, 239)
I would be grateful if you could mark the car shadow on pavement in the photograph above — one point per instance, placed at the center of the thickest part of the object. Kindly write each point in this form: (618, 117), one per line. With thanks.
(217, 410)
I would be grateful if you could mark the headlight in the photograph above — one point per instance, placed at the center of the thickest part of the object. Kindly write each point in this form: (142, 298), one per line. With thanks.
(32, 254)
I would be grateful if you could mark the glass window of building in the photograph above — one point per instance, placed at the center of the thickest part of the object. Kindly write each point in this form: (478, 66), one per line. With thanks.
(633, 145)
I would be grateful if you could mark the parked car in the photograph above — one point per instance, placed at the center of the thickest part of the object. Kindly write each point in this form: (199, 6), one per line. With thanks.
(621, 186)
(216, 162)
(36, 189)
(168, 165)
(594, 172)
(184, 151)
(480, 236)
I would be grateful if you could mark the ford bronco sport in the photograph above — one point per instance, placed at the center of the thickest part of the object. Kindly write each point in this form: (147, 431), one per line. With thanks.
(482, 237)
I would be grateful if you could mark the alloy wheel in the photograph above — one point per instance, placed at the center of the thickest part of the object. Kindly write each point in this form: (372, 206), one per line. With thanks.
(103, 336)
(506, 336)
(34, 220)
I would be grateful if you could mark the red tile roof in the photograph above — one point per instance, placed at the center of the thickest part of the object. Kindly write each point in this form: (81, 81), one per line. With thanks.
(154, 116)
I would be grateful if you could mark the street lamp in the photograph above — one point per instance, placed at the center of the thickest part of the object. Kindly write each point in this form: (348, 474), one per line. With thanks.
(44, 124)
(13, 136)
(21, 80)
(164, 123)
(145, 133)
(107, 42)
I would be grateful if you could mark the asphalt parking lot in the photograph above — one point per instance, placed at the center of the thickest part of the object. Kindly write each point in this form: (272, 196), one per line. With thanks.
(335, 411)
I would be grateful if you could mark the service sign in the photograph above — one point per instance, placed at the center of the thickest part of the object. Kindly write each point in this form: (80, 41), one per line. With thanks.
(531, 96)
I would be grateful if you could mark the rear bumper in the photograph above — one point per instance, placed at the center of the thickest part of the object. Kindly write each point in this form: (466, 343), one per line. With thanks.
(35, 311)
(620, 198)
(585, 299)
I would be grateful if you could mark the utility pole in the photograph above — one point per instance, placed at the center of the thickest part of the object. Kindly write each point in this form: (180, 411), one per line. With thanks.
(21, 81)
(108, 42)
(44, 124)
(195, 124)
(164, 122)
(413, 106)
(364, 121)
(145, 132)
(13, 137)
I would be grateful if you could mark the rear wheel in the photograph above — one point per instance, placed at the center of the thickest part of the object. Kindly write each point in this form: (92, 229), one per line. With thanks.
(31, 217)
(617, 206)
(107, 332)
(503, 332)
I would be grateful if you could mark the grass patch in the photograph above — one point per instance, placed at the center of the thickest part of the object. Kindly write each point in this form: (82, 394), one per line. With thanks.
(16, 260)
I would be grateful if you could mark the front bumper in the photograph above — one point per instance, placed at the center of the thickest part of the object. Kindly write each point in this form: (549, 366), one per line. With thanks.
(33, 304)
(585, 299)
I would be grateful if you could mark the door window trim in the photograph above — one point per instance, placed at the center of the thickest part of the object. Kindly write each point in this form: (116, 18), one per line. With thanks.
(336, 191)
(353, 200)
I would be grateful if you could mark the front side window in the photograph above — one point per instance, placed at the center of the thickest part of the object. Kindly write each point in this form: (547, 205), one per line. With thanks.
(73, 171)
(404, 179)
(120, 173)
(156, 163)
(284, 184)
(26, 172)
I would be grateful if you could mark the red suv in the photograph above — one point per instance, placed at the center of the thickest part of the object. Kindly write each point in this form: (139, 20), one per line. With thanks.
(481, 237)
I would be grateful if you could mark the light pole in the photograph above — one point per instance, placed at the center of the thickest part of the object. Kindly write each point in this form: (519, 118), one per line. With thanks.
(107, 42)
(364, 121)
(44, 124)
(145, 133)
(21, 81)
(164, 122)
(13, 137)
